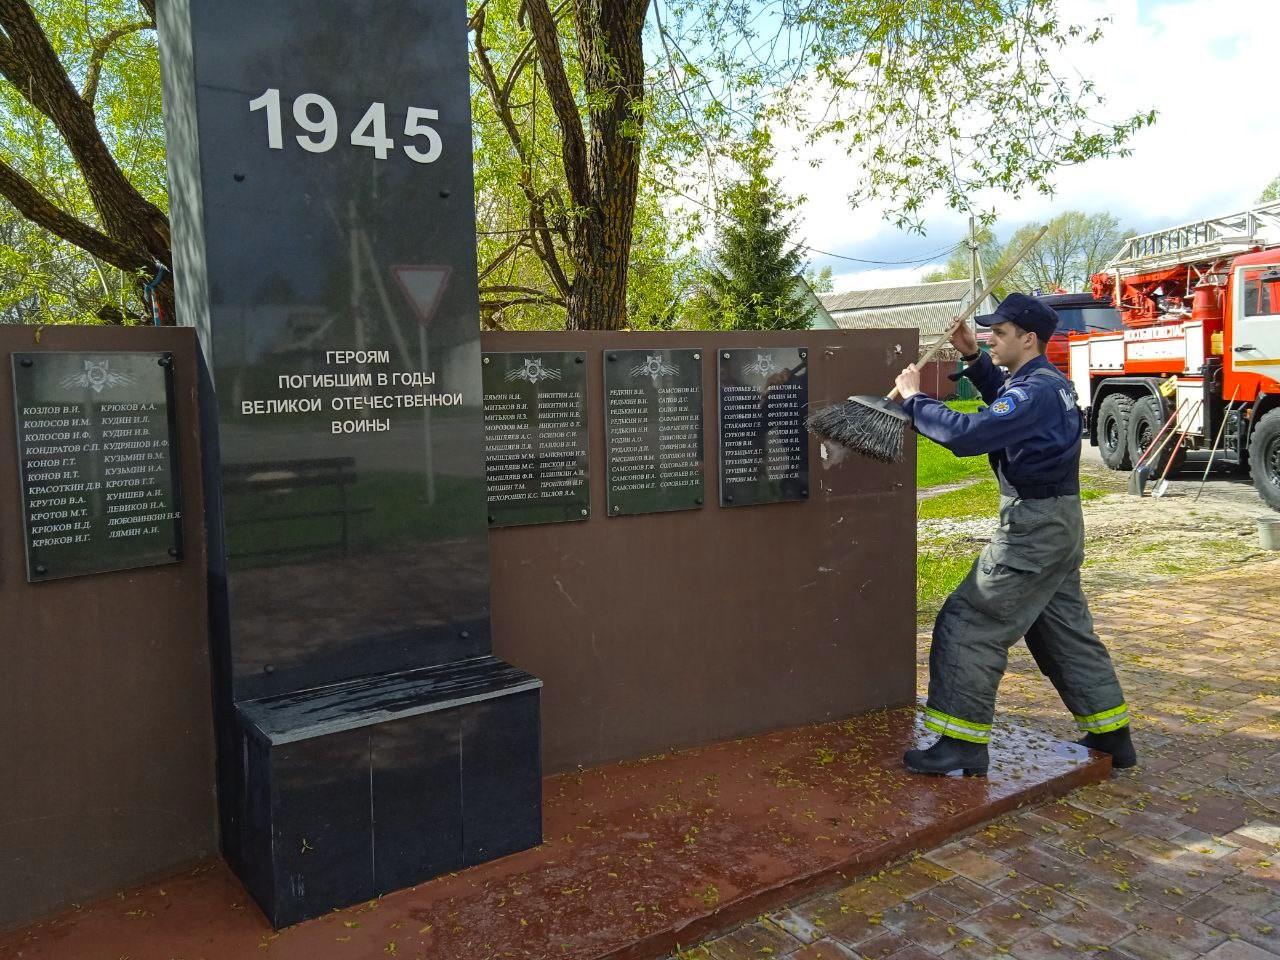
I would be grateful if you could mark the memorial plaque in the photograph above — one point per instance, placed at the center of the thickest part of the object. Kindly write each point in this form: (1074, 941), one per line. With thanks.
(535, 437)
(764, 448)
(653, 430)
(99, 463)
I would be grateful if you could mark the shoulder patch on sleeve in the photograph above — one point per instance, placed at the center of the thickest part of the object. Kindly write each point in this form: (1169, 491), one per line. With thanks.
(1019, 393)
(1004, 405)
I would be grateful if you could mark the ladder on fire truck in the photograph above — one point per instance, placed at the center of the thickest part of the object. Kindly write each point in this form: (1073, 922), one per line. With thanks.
(1199, 241)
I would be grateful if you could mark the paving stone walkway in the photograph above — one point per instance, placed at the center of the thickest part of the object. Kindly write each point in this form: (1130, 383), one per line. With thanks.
(1176, 860)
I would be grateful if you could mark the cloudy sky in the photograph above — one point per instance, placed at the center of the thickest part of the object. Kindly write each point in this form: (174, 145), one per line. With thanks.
(1207, 66)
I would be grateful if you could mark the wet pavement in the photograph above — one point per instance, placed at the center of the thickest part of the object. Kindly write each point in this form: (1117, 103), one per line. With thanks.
(1176, 860)
(639, 857)
(767, 838)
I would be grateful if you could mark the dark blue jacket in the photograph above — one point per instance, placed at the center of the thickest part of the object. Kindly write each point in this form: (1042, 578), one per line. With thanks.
(1030, 427)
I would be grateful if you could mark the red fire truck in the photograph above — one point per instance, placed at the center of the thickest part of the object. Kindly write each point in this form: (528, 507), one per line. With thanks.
(1198, 358)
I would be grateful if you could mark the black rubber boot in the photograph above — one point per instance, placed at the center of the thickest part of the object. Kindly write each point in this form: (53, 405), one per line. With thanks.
(1118, 743)
(947, 756)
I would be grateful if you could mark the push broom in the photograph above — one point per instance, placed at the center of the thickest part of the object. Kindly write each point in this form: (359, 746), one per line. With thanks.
(875, 426)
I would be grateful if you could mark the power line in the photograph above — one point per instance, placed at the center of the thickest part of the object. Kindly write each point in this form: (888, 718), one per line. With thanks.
(885, 263)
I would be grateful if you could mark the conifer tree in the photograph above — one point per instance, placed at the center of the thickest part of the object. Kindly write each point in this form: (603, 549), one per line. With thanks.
(753, 279)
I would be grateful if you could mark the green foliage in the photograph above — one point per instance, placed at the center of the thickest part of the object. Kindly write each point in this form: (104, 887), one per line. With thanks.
(1076, 246)
(820, 281)
(981, 499)
(939, 570)
(751, 281)
(44, 279)
(928, 97)
(1270, 192)
(517, 289)
(936, 465)
(960, 264)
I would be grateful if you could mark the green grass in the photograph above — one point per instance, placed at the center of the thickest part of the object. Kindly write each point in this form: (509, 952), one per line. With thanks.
(942, 564)
(937, 574)
(936, 465)
(980, 500)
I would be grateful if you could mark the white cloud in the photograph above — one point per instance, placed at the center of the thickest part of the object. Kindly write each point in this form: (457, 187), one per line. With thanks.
(878, 277)
(1203, 64)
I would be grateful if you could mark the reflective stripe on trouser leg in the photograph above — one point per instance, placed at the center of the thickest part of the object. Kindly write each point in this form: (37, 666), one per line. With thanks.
(1069, 653)
(950, 726)
(1104, 722)
(971, 639)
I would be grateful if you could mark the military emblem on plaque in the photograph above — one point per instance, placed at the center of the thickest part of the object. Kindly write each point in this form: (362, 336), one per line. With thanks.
(99, 462)
(655, 367)
(764, 448)
(535, 438)
(653, 430)
(97, 376)
(532, 371)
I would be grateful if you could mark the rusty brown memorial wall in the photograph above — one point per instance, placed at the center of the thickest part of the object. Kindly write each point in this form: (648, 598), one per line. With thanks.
(106, 731)
(649, 631)
(669, 629)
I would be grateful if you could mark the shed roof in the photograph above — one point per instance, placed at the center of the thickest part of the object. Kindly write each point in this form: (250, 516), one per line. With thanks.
(938, 291)
(929, 307)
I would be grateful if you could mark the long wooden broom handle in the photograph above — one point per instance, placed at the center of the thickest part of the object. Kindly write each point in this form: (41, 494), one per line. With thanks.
(977, 301)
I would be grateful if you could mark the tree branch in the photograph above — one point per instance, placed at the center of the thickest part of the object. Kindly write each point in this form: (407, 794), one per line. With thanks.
(544, 246)
(507, 252)
(497, 306)
(101, 47)
(501, 104)
(127, 216)
(522, 58)
(540, 295)
(540, 235)
(572, 138)
(15, 71)
(29, 202)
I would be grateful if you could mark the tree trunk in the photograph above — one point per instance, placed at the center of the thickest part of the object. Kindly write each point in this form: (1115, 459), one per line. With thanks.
(136, 230)
(611, 49)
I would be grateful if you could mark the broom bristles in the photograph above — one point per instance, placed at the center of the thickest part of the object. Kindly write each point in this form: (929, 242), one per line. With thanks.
(871, 426)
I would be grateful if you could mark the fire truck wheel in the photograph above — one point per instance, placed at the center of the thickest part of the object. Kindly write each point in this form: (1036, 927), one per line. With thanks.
(1113, 431)
(1145, 422)
(1264, 458)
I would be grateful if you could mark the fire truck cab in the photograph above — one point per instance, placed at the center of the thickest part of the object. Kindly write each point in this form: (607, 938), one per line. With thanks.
(1196, 365)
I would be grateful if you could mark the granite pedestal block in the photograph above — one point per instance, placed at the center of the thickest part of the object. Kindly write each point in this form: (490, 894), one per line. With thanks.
(359, 788)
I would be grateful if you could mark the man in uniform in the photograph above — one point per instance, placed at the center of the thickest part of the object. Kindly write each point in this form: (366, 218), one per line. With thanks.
(1026, 582)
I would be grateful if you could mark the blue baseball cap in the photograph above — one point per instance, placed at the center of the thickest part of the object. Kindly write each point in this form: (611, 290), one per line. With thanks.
(1024, 311)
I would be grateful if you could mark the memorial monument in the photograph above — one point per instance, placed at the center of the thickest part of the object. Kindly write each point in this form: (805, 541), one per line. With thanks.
(324, 248)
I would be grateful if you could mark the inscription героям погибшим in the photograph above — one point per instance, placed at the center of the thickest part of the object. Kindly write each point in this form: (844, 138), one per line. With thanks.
(372, 389)
(98, 460)
(536, 450)
(653, 430)
(764, 447)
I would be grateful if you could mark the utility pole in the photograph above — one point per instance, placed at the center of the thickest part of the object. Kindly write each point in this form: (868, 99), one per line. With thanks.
(974, 268)
(973, 258)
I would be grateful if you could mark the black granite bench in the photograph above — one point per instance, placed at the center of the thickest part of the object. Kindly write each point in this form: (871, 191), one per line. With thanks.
(369, 785)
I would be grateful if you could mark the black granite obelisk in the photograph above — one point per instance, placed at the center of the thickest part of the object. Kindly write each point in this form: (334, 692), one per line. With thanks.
(324, 246)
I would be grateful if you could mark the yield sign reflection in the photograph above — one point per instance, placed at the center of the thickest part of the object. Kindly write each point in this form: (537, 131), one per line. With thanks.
(423, 286)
